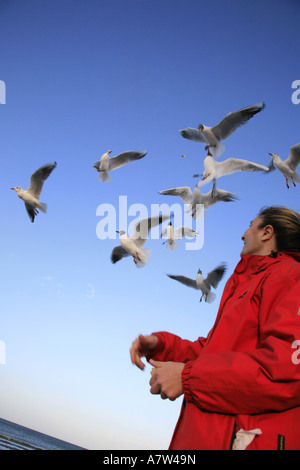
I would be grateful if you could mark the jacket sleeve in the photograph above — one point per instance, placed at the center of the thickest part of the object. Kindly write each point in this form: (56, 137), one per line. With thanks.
(260, 380)
(171, 347)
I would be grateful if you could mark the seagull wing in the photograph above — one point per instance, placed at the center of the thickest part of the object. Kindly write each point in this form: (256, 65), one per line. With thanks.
(143, 227)
(271, 166)
(184, 280)
(232, 165)
(97, 165)
(223, 195)
(235, 119)
(118, 253)
(124, 158)
(184, 232)
(184, 192)
(30, 211)
(191, 133)
(215, 276)
(38, 177)
(294, 157)
(164, 232)
(216, 195)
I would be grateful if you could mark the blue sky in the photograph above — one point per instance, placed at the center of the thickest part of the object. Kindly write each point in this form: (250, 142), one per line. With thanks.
(86, 76)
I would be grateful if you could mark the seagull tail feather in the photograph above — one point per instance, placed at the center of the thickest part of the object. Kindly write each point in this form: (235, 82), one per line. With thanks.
(104, 176)
(210, 297)
(146, 252)
(43, 207)
(218, 150)
(172, 246)
(296, 178)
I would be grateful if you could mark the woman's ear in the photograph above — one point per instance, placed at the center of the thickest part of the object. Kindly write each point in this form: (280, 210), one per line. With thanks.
(268, 232)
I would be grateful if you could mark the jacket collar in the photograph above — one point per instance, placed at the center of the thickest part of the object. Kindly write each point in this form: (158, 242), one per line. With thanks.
(256, 263)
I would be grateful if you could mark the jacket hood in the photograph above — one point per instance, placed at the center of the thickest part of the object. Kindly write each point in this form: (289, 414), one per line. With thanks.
(257, 263)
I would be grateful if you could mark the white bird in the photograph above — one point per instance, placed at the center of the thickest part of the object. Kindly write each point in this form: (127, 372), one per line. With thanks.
(31, 196)
(195, 198)
(212, 280)
(214, 135)
(107, 163)
(287, 167)
(133, 245)
(172, 235)
(214, 169)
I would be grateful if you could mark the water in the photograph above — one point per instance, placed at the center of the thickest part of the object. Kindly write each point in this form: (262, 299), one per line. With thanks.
(16, 437)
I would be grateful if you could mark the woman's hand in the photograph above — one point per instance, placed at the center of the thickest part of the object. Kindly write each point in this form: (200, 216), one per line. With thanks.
(166, 379)
(142, 346)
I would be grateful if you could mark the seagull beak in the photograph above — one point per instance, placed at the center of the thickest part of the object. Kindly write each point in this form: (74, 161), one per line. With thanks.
(270, 154)
(12, 188)
(117, 231)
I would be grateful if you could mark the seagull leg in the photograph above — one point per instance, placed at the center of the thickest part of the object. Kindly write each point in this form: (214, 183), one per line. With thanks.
(287, 183)
(293, 182)
(204, 177)
(136, 257)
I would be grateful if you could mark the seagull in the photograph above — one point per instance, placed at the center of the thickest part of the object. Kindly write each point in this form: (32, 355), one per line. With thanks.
(214, 169)
(133, 245)
(107, 163)
(195, 198)
(31, 196)
(176, 234)
(212, 280)
(287, 167)
(214, 135)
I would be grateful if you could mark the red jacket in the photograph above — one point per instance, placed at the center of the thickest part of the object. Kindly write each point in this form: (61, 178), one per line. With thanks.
(246, 373)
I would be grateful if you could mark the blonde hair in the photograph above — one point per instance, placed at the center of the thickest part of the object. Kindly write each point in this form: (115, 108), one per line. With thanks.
(286, 225)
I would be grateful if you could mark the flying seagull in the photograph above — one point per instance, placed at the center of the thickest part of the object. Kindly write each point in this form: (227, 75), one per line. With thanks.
(287, 167)
(133, 245)
(212, 280)
(194, 198)
(214, 169)
(107, 163)
(31, 196)
(172, 235)
(214, 135)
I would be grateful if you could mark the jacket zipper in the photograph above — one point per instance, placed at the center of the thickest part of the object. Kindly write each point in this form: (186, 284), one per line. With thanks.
(281, 442)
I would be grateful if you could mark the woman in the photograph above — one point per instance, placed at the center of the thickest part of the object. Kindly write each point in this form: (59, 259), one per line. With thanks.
(241, 385)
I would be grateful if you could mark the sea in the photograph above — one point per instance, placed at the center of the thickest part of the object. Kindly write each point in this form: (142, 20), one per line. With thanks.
(16, 437)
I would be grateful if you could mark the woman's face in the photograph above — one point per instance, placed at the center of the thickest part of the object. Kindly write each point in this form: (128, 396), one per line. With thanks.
(252, 238)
